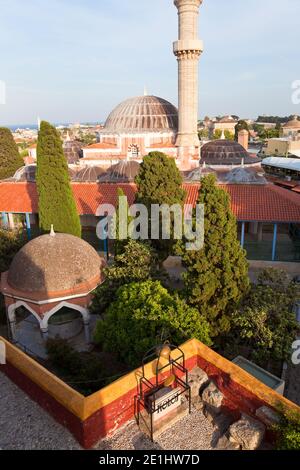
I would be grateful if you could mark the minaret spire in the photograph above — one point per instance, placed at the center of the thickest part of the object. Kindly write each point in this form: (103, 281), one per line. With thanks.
(188, 49)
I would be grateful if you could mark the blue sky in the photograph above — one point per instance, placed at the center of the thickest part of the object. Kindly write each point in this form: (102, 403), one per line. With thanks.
(74, 60)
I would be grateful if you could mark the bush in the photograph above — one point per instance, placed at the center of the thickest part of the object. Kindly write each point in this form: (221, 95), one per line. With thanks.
(63, 356)
(83, 368)
(265, 323)
(145, 314)
(288, 432)
(137, 263)
(10, 244)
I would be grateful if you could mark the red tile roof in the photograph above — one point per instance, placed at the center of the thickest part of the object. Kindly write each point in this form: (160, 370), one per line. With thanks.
(262, 203)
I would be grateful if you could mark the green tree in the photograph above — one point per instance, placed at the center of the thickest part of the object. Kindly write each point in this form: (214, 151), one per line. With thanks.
(203, 134)
(56, 200)
(137, 263)
(217, 275)
(144, 314)
(10, 159)
(120, 243)
(217, 134)
(265, 324)
(159, 182)
(241, 125)
(10, 244)
(228, 135)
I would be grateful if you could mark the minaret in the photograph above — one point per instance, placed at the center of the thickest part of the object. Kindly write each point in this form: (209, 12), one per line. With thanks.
(187, 50)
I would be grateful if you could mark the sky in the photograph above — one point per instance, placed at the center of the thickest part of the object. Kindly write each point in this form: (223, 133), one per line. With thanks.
(75, 60)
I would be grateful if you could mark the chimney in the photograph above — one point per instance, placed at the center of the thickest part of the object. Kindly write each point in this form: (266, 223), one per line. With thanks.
(244, 139)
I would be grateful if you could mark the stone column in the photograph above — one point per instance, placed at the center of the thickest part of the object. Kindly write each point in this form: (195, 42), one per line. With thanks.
(12, 324)
(11, 222)
(45, 333)
(187, 50)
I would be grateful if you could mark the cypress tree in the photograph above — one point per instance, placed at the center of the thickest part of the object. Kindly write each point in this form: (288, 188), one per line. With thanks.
(10, 159)
(159, 182)
(217, 275)
(56, 200)
(241, 125)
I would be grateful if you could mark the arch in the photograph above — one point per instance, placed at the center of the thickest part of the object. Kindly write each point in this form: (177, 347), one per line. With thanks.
(84, 312)
(11, 311)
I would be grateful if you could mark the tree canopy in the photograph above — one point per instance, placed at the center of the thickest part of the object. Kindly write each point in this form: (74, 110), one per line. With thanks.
(265, 323)
(217, 275)
(159, 181)
(56, 200)
(144, 314)
(138, 262)
(241, 125)
(10, 158)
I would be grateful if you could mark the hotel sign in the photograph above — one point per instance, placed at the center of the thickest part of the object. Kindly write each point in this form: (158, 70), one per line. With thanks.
(165, 401)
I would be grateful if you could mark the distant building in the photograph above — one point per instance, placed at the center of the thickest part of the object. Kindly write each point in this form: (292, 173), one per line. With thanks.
(134, 128)
(292, 129)
(282, 147)
(227, 123)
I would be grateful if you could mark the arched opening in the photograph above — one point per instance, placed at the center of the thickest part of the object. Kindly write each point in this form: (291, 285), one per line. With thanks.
(25, 329)
(66, 323)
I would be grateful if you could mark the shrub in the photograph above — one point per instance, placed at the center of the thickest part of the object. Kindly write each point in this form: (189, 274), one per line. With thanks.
(84, 370)
(144, 314)
(266, 322)
(137, 263)
(288, 432)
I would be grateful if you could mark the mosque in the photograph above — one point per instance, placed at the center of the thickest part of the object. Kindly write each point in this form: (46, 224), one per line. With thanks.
(149, 123)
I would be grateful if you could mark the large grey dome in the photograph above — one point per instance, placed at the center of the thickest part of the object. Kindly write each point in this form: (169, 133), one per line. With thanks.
(226, 152)
(143, 114)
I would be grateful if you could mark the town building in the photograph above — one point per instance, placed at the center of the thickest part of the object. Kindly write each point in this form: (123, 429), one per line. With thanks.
(292, 129)
(149, 123)
(282, 147)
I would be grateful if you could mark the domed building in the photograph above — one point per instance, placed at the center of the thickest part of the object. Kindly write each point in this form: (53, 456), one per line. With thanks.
(122, 172)
(292, 129)
(134, 128)
(226, 153)
(51, 273)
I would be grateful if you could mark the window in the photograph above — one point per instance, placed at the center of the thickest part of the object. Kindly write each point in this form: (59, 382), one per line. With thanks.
(133, 151)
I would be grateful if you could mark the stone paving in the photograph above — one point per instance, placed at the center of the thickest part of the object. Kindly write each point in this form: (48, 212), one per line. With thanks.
(24, 426)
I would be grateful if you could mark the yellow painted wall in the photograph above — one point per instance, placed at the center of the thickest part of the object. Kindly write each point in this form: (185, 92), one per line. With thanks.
(84, 407)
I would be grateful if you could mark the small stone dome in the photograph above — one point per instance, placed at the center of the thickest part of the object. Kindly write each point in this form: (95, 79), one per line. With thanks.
(198, 173)
(242, 175)
(226, 152)
(28, 173)
(143, 114)
(123, 171)
(88, 174)
(54, 263)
